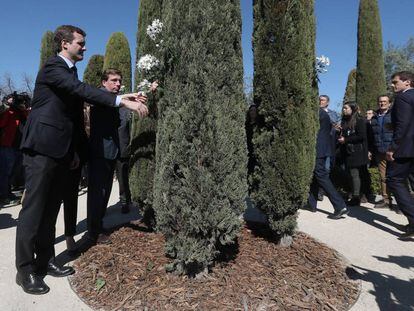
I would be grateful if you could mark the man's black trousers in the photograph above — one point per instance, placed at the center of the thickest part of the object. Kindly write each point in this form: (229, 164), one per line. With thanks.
(35, 236)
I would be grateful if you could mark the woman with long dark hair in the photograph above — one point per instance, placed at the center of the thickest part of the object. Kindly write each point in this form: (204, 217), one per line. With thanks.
(354, 149)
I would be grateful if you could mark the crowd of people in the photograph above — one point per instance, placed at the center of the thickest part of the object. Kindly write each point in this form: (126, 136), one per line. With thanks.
(383, 139)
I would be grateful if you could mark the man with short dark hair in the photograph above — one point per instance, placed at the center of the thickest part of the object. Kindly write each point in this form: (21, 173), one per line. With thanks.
(400, 153)
(50, 145)
(381, 138)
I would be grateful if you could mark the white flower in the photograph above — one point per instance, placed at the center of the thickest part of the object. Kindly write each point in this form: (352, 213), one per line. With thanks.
(144, 85)
(147, 62)
(154, 29)
(322, 62)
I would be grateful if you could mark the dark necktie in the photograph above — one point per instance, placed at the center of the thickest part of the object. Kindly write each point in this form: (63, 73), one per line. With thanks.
(75, 71)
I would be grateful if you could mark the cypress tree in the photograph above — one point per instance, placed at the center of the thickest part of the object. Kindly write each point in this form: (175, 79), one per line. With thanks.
(200, 183)
(350, 86)
(285, 89)
(118, 56)
(47, 48)
(93, 71)
(144, 130)
(370, 79)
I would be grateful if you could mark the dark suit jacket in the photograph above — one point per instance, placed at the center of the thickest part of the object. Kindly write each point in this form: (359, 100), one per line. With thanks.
(324, 144)
(124, 132)
(402, 117)
(53, 126)
(104, 138)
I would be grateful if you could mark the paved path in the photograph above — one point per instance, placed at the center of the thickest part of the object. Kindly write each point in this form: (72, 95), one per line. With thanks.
(367, 238)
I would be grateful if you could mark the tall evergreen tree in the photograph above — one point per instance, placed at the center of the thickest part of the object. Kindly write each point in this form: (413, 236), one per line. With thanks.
(200, 183)
(47, 48)
(144, 130)
(370, 79)
(118, 56)
(285, 90)
(93, 71)
(350, 86)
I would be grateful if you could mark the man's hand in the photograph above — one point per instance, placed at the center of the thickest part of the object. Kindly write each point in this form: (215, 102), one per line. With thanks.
(341, 140)
(75, 162)
(369, 155)
(154, 86)
(389, 156)
(133, 96)
(138, 106)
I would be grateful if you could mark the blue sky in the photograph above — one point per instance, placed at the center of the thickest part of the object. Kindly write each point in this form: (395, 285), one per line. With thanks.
(23, 23)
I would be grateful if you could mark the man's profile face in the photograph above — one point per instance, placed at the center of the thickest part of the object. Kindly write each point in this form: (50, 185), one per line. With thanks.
(323, 102)
(113, 84)
(399, 85)
(75, 48)
(369, 114)
(384, 103)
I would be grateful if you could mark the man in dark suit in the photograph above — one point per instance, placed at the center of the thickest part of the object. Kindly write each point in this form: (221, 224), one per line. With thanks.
(400, 153)
(104, 150)
(50, 146)
(324, 150)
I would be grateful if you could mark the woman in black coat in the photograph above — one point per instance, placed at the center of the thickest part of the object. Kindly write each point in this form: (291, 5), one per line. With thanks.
(354, 148)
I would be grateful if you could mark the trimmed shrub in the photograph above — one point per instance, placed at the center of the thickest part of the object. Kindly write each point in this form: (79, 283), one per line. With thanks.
(370, 79)
(285, 88)
(118, 56)
(93, 71)
(200, 183)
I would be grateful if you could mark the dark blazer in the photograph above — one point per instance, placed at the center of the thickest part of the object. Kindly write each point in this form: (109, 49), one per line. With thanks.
(104, 138)
(124, 132)
(53, 126)
(324, 143)
(355, 149)
(402, 117)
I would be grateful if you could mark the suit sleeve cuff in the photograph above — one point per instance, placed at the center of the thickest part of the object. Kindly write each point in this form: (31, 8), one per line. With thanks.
(118, 101)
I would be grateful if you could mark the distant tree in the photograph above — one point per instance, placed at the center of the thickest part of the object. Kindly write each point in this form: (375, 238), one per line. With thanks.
(144, 130)
(47, 48)
(285, 88)
(399, 58)
(370, 79)
(93, 71)
(200, 183)
(118, 56)
(350, 86)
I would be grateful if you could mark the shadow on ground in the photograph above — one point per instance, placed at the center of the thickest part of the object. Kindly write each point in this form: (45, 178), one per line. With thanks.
(390, 293)
(7, 221)
(378, 221)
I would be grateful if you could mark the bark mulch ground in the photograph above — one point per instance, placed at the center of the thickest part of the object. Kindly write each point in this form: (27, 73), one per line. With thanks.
(129, 274)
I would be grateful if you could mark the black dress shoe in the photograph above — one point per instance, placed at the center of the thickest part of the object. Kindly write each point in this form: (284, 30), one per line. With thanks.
(338, 214)
(32, 283)
(58, 271)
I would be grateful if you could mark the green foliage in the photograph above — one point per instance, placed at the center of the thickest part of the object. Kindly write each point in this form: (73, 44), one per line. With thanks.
(350, 86)
(118, 56)
(370, 80)
(399, 58)
(285, 91)
(47, 48)
(200, 183)
(93, 71)
(375, 180)
(144, 130)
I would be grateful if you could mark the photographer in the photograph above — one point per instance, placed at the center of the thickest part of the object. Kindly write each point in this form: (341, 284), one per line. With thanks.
(12, 117)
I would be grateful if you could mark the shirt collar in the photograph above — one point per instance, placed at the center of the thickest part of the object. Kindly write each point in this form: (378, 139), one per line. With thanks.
(407, 89)
(67, 61)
